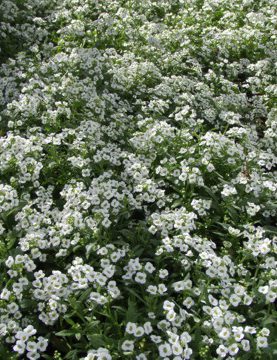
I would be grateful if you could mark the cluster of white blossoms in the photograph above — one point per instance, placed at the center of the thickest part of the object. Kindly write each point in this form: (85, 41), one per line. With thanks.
(138, 193)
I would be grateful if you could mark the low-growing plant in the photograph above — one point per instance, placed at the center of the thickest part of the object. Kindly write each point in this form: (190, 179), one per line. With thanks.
(138, 179)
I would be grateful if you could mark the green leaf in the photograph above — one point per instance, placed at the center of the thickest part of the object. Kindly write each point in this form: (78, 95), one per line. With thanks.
(128, 234)
(246, 356)
(138, 250)
(213, 196)
(271, 229)
(69, 320)
(97, 340)
(177, 203)
(84, 295)
(132, 311)
(269, 321)
(73, 355)
(136, 295)
(70, 332)
(27, 303)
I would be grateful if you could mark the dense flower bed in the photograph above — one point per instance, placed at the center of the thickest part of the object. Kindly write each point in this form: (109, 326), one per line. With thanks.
(138, 179)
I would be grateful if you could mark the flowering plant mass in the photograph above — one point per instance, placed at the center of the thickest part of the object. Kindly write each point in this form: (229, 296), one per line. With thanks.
(138, 192)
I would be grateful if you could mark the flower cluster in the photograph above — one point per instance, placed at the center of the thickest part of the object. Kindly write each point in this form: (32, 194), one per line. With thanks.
(138, 192)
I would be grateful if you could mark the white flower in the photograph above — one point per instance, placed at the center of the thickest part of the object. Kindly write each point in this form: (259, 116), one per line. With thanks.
(141, 357)
(33, 355)
(98, 298)
(9, 262)
(156, 339)
(168, 305)
(233, 349)
(239, 290)
(213, 301)
(235, 300)
(187, 353)
(233, 231)
(222, 351)
(147, 327)
(216, 312)
(42, 344)
(3, 329)
(171, 315)
(22, 335)
(19, 347)
(31, 346)
(217, 323)
(162, 288)
(271, 296)
(163, 273)
(152, 229)
(250, 330)
(139, 331)
(178, 286)
(263, 289)
(247, 300)
(149, 267)
(127, 346)
(30, 330)
(238, 336)
(265, 332)
(140, 278)
(177, 348)
(245, 345)
(165, 350)
(185, 337)
(224, 333)
(5, 294)
(131, 328)
(152, 289)
(210, 167)
(262, 342)
(151, 315)
(252, 209)
(188, 302)
(228, 190)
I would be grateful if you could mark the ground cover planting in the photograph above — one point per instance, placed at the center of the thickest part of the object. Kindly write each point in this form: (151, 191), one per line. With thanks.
(138, 191)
